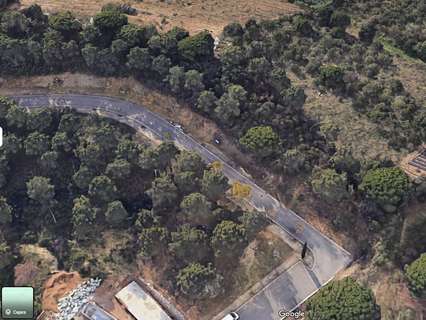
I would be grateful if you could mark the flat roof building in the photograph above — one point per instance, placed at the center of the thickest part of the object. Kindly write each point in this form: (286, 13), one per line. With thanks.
(140, 304)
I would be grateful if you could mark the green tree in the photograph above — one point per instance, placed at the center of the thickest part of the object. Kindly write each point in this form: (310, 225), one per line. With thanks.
(386, 186)
(331, 76)
(102, 190)
(119, 169)
(153, 241)
(161, 66)
(261, 140)
(128, 150)
(412, 240)
(197, 209)
(194, 83)
(230, 104)
(145, 219)
(6, 256)
(197, 48)
(416, 276)
(41, 190)
(343, 300)
(199, 282)
(253, 223)
(187, 182)
(139, 60)
(49, 162)
(62, 142)
(207, 102)
(166, 152)
(91, 155)
(83, 218)
(12, 145)
(116, 214)
(16, 117)
(163, 192)
(367, 32)
(133, 35)
(65, 23)
(176, 79)
(214, 184)
(329, 184)
(4, 170)
(36, 144)
(189, 244)
(234, 30)
(340, 20)
(229, 239)
(82, 177)
(189, 161)
(110, 21)
(5, 212)
(14, 24)
(293, 161)
(40, 120)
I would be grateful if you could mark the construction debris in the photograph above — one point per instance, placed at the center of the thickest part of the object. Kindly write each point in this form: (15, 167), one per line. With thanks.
(70, 305)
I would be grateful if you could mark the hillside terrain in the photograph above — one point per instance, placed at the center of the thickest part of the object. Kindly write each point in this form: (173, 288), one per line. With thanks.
(192, 15)
(319, 105)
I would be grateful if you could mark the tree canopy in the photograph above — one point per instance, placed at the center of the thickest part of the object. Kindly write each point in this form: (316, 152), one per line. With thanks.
(386, 186)
(343, 299)
(416, 276)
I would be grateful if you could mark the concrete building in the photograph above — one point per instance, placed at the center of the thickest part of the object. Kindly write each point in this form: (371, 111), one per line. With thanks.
(92, 311)
(140, 304)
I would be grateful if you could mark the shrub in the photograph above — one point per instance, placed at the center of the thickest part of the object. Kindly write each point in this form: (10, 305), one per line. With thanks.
(386, 186)
(343, 300)
(416, 276)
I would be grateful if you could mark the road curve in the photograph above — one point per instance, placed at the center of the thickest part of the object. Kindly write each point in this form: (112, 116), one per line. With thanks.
(329, 257)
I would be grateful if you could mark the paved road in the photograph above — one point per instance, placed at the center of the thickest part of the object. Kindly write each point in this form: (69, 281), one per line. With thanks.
(295, 286)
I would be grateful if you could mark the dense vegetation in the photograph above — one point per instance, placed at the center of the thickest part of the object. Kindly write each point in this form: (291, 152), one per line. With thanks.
(401, 22)
(343, 300)
(66, 178)
(416, 276)
(245, 87)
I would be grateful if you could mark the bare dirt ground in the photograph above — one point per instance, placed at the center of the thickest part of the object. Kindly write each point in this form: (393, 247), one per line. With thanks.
(193, 15)
(58, 286)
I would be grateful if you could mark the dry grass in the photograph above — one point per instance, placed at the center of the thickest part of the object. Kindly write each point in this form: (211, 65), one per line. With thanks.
(354, 131)
(193, 15)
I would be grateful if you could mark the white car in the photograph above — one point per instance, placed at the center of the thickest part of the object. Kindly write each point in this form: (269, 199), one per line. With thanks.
(231, 316)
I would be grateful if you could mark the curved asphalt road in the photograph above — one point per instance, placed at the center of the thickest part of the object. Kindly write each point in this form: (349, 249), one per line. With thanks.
(291, 288)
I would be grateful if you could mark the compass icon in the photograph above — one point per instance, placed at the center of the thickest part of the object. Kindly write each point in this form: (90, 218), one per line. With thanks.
(7, 312)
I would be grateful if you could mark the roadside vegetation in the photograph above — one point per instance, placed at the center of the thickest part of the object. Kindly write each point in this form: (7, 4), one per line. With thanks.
(245, 88)
(68, 178)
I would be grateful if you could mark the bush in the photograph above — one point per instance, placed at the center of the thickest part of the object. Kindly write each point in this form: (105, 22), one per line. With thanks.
(197, 48)
(343, 300)
(261, 140)
(416, 276)
(331, 76)
(199, 282)
(329, 184)
(386, 186)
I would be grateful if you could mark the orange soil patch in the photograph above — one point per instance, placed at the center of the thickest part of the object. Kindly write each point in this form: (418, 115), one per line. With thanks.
(57, 287)
(25, 273)
(195, 15)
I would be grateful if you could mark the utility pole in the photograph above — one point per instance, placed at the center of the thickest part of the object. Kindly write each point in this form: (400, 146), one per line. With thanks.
(304, 250)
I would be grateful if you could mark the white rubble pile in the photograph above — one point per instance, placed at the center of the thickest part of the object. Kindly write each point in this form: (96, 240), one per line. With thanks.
(70, 305)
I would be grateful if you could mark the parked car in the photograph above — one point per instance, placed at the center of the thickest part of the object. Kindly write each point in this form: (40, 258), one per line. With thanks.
(231, 316)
